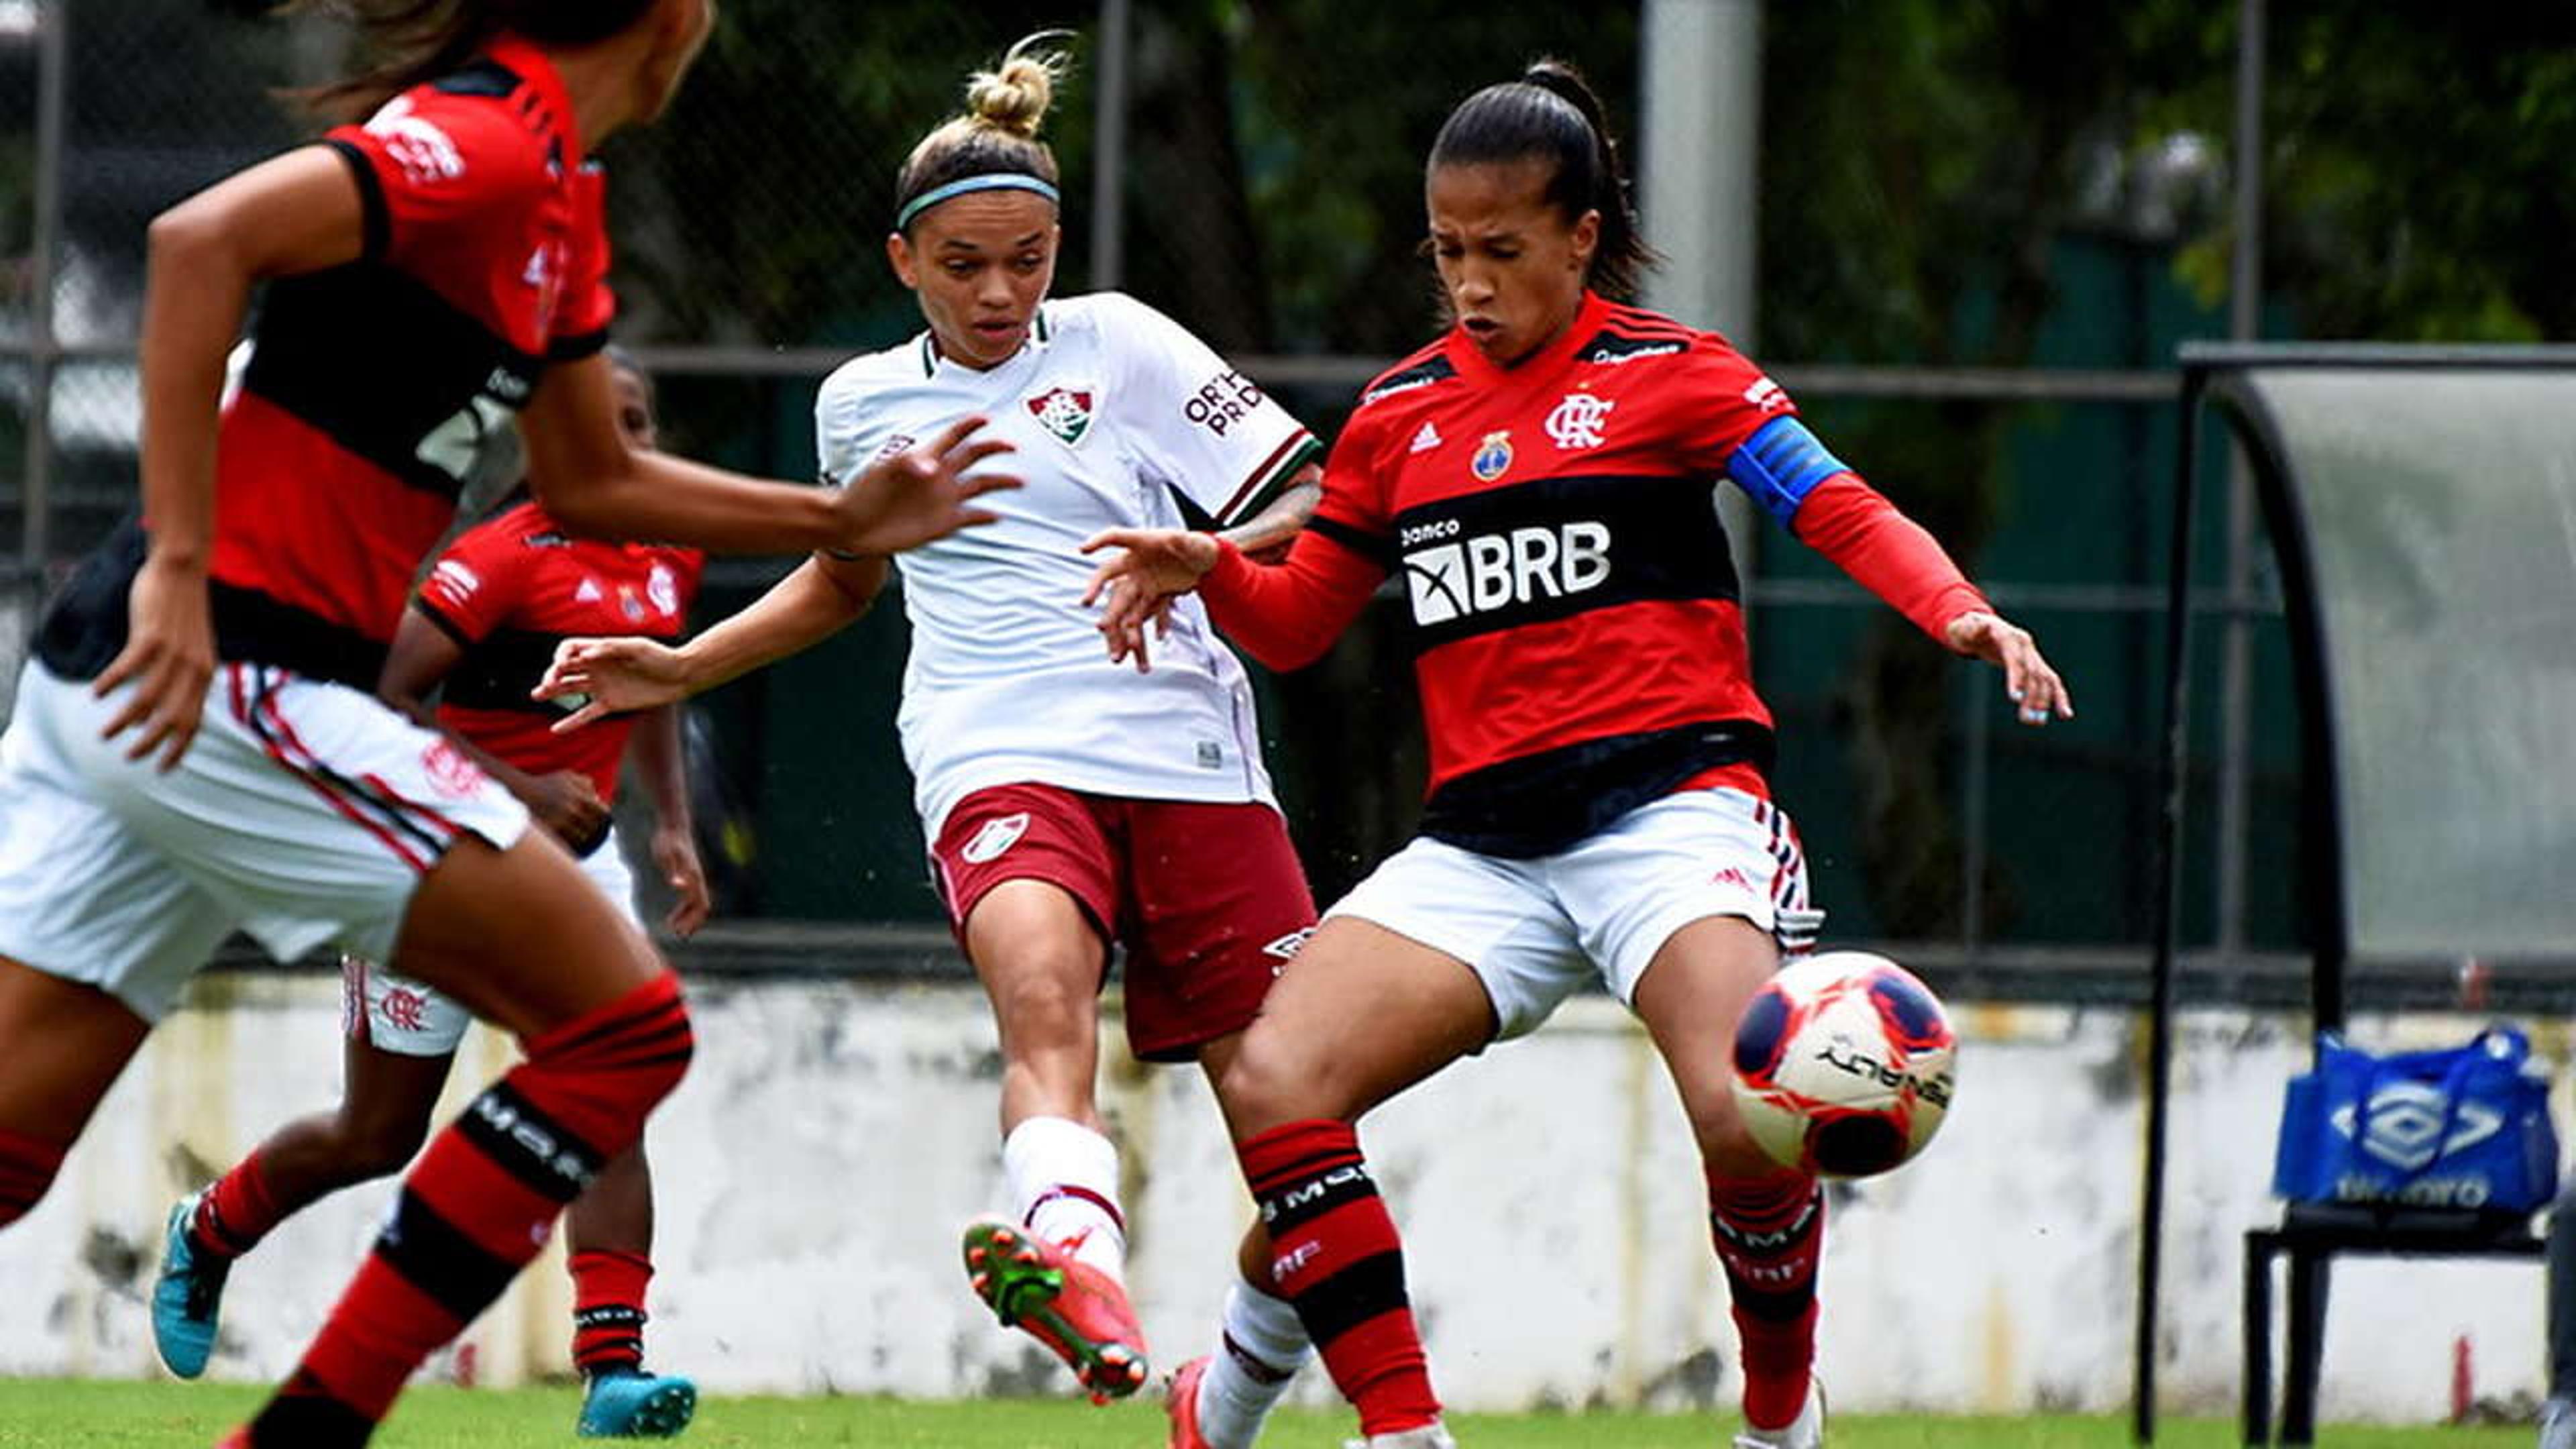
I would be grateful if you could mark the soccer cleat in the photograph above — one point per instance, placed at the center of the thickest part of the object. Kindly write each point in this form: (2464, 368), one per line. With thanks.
(1807, 1431)
(1430, 1436)
(1181, 1405)
(1077, 1311)
(2557, 1423)
(626, 1404)
(187, 1296)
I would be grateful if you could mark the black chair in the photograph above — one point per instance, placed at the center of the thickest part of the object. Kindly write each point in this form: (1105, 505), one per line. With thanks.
(2309, 1237)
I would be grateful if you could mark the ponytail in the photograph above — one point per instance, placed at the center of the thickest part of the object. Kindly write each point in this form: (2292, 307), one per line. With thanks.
(1550, 114)
(412, 42)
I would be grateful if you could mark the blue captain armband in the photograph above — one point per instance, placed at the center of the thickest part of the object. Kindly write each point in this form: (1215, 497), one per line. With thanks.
(1780, 465)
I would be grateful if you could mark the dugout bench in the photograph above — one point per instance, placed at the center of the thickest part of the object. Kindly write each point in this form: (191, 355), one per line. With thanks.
(2419, 502)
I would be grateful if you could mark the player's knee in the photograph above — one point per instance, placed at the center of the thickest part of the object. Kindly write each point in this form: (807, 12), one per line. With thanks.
(1268, 1083)
(1046, 1008)
(27, 1168)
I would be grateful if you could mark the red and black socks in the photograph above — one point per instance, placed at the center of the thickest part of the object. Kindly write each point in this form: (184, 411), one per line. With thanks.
(234, 1214)
(608, 1310)
(1335, 1255)
(478, 1205)
(1770, 1232)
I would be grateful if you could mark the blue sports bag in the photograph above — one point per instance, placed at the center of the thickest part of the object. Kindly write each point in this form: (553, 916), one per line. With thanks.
(2464, 1127)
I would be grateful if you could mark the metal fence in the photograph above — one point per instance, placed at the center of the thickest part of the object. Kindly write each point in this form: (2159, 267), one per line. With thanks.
(1226, 164)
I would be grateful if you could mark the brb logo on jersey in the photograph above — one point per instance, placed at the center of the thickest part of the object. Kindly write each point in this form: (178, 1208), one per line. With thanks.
(1492, 456)
(1492, 571)
(1063, 411)
(1575, 423)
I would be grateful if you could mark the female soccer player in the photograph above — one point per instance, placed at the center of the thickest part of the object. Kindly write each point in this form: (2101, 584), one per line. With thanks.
(484, 624)
(1070, 803)
(1598, 805)
(196, 746)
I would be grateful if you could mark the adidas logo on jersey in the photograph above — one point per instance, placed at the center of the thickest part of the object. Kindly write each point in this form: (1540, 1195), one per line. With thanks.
(1427, 439)
(1491, 571)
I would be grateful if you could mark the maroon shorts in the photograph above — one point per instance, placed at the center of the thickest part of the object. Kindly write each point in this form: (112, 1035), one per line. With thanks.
(1207, 899)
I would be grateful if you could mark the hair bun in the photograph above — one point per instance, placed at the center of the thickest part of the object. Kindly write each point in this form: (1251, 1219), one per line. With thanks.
(1014, 98)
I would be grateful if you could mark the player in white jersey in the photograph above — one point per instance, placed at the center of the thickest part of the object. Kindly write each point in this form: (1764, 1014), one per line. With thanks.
(1071, 803)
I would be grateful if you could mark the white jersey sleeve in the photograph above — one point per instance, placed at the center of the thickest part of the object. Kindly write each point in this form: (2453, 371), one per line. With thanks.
(1210, 433)
(844, 440)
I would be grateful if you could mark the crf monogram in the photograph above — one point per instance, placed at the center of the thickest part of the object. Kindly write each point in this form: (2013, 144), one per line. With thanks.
(1576, 422)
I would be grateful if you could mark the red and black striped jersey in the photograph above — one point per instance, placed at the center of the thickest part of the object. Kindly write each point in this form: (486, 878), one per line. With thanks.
(1575, 621)
(511, 588)
(372, 386)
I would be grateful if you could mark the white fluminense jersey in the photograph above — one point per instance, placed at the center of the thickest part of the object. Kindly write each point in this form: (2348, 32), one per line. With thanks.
(1121, 419)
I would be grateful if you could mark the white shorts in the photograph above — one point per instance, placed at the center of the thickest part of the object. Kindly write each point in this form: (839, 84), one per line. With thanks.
(304, 813)
(1536, 931)
(394, 1013)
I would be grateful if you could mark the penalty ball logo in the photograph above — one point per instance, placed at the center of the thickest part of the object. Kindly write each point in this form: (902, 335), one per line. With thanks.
(1064, 412)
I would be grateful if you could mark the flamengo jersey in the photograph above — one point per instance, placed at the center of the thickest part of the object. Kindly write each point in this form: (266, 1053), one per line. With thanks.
(1575, 621)
(1121, 419)
(373, 384)
(509, 590)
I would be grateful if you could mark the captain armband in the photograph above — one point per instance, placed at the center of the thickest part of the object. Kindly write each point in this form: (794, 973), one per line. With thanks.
(1780, 465)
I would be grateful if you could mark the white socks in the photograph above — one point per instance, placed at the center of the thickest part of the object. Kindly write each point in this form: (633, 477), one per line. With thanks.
(1064, 1188)
(1235, 1396)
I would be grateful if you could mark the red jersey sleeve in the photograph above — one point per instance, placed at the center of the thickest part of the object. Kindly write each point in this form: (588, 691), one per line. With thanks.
(432, 170)
(1887, 553)
(1287, 616)
(476, 582)
(1726, 399)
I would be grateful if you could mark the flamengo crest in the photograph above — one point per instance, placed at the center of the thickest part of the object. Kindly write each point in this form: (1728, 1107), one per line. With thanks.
(1063, 412)
(1576, 421)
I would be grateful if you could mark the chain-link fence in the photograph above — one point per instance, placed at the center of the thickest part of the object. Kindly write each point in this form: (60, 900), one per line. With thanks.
(1254, 169)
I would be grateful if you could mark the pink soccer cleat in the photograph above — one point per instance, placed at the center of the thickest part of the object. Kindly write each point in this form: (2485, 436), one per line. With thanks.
(1077, 1311)
(1181, 1404)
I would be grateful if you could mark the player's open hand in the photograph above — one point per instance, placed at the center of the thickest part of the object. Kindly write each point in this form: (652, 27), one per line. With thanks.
(601, 677)
(675, 855)
(1134, 586)
(2036, 691)
(909, 498)
(169, 656)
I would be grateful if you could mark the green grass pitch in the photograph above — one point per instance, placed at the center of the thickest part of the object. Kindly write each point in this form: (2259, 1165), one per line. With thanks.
(61, 1414)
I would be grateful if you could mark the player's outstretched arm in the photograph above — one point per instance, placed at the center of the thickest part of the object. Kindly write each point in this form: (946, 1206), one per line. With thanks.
(821, 598)
(593, 482)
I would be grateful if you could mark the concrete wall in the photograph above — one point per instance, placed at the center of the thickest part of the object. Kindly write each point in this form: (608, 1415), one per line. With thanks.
(815, 1167)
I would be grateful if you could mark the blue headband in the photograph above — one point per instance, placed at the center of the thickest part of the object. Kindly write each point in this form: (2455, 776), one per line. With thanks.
(989, 181)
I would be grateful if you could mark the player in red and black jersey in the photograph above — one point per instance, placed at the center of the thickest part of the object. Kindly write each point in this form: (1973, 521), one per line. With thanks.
(195, 747)
(479, 634)
(1542, 479)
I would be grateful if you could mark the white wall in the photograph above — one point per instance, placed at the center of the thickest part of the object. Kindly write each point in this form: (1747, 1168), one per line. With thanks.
(832, 1137)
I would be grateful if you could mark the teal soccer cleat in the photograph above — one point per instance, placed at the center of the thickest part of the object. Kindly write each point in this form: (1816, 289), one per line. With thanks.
(631, 1405)
(187, 1295)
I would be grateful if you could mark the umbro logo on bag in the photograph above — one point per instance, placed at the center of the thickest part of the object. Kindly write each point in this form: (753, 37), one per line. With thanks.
(996, 836)
(2406, 1125)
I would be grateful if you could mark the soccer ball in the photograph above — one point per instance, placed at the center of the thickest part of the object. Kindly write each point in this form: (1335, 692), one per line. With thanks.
(1843, 1064)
